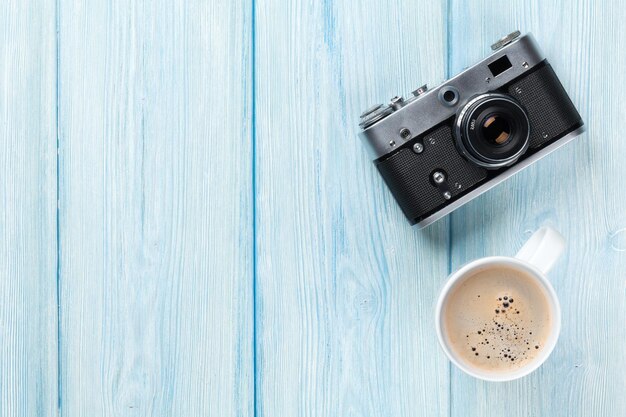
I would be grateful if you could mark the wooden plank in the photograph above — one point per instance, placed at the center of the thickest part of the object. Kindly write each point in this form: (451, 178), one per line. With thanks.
(156, 225)
(345, 288)
(577, 191)
(28, 194)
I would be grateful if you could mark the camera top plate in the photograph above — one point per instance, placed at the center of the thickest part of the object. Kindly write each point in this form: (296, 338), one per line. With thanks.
(427, 109)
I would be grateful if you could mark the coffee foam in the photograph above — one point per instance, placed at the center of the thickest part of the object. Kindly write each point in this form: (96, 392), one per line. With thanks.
(497, 319)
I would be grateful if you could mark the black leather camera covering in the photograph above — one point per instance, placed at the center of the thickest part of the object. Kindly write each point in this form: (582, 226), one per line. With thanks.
(408, 174)
(549, 108)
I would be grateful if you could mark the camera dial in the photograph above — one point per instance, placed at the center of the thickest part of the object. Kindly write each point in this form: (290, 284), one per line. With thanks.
(492, 131)
(374, 114)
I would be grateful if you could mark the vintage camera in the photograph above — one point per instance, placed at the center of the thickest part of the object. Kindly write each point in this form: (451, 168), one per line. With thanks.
(440, 148)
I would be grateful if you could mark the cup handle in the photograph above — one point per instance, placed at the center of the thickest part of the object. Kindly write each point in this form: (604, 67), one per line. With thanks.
(542, 249)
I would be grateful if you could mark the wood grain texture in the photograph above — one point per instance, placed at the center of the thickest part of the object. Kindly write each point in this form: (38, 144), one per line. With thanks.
(28, 194)
(155, 220)
(346, 288)
(576, 190)
(158, 228)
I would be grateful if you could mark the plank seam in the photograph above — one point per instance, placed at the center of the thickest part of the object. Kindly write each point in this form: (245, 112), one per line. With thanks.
(449, 246)
(254, 207)
(58, 197)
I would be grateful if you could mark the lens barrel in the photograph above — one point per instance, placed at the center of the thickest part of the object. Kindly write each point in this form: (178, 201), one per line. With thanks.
(492, 131)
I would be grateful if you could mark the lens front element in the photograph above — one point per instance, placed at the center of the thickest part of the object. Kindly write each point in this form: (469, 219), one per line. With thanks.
(496, 129)
(492, 131)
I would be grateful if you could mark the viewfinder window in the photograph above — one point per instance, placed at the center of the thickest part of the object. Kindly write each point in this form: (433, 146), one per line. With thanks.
(500, 65)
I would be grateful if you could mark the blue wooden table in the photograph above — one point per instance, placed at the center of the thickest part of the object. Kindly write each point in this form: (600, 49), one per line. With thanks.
(190, 226)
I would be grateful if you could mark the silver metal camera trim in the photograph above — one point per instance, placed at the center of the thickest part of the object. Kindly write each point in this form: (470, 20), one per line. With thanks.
(492, 164)
(426, 110)
(500, 178)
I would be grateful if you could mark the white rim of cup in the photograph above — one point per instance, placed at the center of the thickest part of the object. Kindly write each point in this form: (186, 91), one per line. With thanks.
(550, 342)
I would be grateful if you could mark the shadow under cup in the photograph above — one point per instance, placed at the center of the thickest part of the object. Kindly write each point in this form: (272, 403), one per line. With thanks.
(486, 337)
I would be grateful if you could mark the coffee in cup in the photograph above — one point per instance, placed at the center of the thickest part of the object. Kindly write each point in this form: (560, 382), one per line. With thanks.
(497, 318)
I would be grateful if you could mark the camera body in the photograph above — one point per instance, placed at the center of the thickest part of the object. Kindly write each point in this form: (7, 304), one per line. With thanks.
(442, 147)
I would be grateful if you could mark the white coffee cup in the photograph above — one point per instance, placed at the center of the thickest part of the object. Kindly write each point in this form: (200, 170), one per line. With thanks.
(535, 259)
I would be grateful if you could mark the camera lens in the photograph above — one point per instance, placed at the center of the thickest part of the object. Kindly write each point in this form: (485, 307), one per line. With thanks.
(492, 131)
